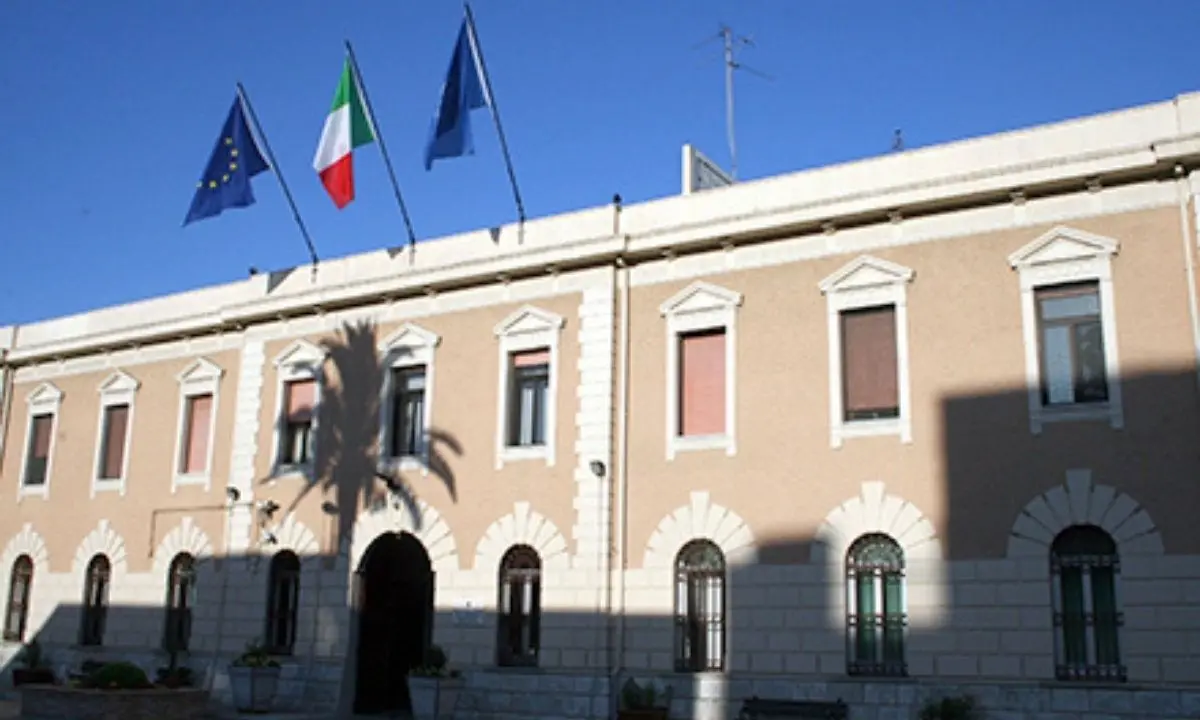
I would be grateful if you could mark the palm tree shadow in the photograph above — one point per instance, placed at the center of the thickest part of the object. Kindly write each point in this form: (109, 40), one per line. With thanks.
(347, 449)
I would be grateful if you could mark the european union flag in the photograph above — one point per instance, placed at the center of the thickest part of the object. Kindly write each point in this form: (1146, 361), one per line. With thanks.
(226, 180)
(463, 91)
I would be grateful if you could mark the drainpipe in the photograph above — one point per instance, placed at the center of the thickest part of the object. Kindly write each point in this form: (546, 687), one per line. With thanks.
(1185, 227)
(7, 381)
(621, 521)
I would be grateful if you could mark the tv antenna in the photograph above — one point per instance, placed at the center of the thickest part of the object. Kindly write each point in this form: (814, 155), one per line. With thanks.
(733, 43)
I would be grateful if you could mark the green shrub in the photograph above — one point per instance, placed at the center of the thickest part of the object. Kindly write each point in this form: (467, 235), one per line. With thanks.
(118, 676)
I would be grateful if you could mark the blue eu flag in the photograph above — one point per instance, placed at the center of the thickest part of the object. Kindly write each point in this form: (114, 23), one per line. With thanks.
(226, 180)
(463, 91)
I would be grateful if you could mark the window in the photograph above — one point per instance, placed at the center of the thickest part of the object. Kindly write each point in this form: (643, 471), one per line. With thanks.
(114, 429)
(19, 586)
(283, 602)
(299, 399)
(867, 316)
(181, 594)
(198, 386)
(37, 458)
(701, 326)
(870, 388)
(1069, 328)
(197, 434)
(408, 412)
(875, 615)
(700, 608)
(36, 465)
(702, 383)
(95, 601)
(530, 378)
(527, 385)
(1072, 344)
(1083, 568)
(518, 626)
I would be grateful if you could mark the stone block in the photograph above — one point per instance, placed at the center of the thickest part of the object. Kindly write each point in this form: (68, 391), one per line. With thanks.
(957, 666)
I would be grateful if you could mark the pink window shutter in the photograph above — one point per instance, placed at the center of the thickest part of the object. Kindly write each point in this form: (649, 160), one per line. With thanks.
(702, 384)
(531, 358)
(199, 423)
(114, 444)
(301, 395)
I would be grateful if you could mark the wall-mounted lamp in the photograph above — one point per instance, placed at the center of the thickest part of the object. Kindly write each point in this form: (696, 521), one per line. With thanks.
(598, 468)
(268, 507)
(232, 493)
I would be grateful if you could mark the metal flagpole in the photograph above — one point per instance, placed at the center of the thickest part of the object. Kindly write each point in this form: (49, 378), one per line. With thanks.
(477, 51)
(312, 251)
(387, 161)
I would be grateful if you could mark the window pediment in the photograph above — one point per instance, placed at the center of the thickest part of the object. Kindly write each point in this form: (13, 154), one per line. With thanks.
(46, 394)
(700, 297)
(301, 353)
(1063, 244)
(865, 272)
(529, 320)
(409, 337)
(199, 371)
(118, 383)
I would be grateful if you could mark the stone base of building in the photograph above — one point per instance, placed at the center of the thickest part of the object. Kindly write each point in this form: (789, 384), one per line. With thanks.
(51, 702)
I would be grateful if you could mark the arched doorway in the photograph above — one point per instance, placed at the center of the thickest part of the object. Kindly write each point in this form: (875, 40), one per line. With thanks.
(395, 621)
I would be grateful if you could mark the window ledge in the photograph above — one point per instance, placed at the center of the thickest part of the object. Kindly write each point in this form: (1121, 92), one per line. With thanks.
(406, 463)
(848, 429)
(524, 452)
(1080, 412)
(109, 485)
(688, 443)
(279, 472)
(184, 479)
(33, 491)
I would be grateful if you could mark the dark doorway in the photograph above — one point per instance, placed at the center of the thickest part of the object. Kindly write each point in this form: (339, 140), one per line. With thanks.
(395, 626)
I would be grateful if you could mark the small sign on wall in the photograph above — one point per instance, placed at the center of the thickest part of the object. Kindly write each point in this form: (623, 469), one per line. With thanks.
(468, 613)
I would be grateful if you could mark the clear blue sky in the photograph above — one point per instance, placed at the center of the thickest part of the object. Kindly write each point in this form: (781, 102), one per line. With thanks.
(116, 105)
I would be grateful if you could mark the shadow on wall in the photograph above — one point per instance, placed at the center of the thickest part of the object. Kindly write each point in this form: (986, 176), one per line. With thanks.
(876, 608)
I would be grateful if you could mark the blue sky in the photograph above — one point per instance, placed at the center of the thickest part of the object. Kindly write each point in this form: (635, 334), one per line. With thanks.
(116, 106)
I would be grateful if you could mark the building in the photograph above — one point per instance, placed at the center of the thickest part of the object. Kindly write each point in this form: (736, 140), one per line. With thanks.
(924, 423)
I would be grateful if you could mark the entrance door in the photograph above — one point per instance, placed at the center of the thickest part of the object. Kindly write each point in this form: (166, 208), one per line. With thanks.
(395, 625)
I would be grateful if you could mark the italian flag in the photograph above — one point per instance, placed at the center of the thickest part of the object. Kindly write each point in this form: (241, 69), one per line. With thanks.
(346, 128)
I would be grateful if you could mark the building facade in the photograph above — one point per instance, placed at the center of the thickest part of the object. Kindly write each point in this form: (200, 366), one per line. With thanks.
(917, 425)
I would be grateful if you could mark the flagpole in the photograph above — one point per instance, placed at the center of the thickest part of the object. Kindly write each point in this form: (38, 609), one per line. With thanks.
(491, 98)
(387, 161)
(312, 251)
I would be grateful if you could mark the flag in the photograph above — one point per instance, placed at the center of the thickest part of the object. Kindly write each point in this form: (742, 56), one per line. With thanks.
(463, 91)
(347, 127)
(226, 180)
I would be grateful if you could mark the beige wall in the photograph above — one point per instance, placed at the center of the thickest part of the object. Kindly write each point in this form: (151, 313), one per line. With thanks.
(973, 463)
(470, 493)
(149, 508)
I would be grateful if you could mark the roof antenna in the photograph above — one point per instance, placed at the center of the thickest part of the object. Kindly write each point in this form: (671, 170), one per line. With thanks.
(898, 141)
(732, 43)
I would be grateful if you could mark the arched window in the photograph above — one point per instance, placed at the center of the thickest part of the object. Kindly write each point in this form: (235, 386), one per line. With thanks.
(19, 584)
(1083, 569)
(283, 600)
(95, 601)
(518, 627)
(875, 607)
(181, 596)
(700, 607)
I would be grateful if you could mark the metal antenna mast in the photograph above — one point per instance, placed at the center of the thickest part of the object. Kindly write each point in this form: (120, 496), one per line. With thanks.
(732, 42)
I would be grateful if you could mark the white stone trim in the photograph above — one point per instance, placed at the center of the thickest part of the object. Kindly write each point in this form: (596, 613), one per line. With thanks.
(1066, 255)
(874, 510)
(186, 537)
(529, 328)
(119, 388)
(522, 526)
(418, 518)
(45, 399)
(247, 417)
(103, 540)
(409, 346)
(25, 541)
(1080, 502)
(201, 377)
(867, 282)
(301, 360)
(700, 519)
(701, 306)
(292, 534)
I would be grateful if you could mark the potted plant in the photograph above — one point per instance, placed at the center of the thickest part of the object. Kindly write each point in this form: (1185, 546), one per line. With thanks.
(37, 670)
(254, 678)
(963, 707)
(434, 686)
(644, 701)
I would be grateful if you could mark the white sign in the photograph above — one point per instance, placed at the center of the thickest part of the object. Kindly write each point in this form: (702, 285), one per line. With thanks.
(701, 173)
(466, 612)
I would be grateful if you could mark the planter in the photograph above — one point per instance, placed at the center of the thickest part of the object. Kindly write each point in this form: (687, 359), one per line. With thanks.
(57, 702)
(644, 714)
(434, 698)
(253, 687)
(33, 676)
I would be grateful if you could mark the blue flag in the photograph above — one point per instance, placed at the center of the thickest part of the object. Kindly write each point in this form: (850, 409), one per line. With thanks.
(226, 180)
(463, 91)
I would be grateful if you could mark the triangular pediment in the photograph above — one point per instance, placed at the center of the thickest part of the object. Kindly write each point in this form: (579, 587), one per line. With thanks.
(698, 297)
(200, 370)
(119, 382)
(1063, 244)
(864, 272)
(301, 352)
(529, 320)
(45, 394)
(411, 337)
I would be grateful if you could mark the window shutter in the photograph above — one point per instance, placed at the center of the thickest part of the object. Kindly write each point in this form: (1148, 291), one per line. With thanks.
(702, 383)
(869, 361)
(114, 442)
(301, 395)
(198, 430)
